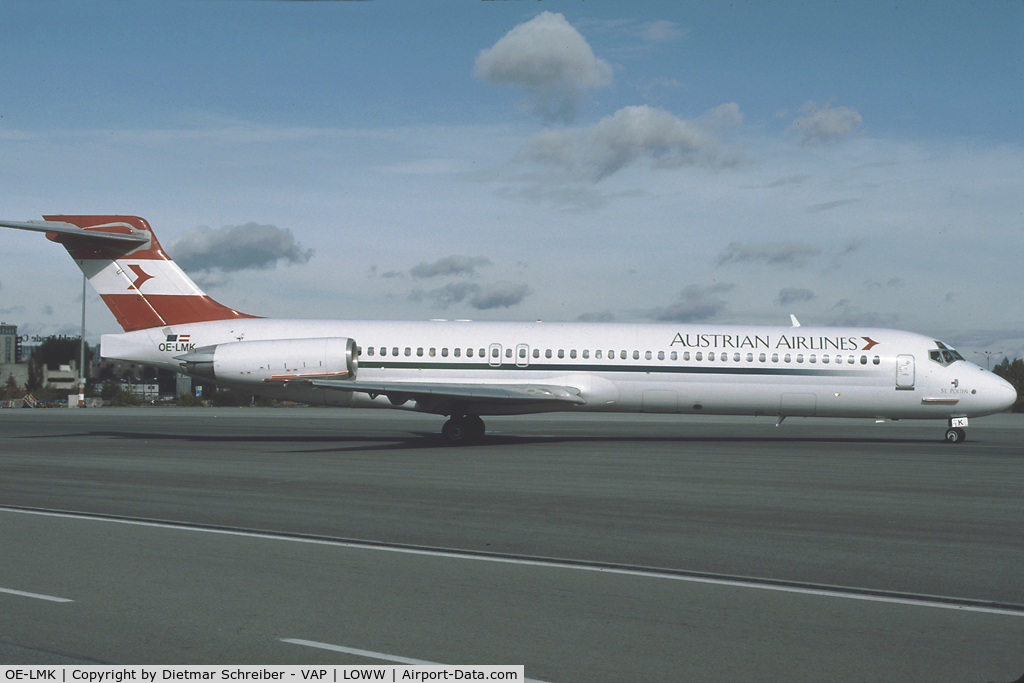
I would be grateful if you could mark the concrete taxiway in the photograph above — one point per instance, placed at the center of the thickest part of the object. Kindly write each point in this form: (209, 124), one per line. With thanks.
(588, 548)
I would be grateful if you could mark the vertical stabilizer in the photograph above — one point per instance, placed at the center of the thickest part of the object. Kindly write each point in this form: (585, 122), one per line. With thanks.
(137, 280)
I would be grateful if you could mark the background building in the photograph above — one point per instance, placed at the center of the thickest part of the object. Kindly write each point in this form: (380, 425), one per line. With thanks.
(11, 364)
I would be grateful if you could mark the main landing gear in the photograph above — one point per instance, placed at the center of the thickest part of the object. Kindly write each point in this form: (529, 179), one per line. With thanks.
(463, 429)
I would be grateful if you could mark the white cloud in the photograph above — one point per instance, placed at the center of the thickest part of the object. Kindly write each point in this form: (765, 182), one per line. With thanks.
(550, 60)
(499, 295)
(449, 265)
(790, 254)
(695, 303)
(793, 295)
(630, 134)
(820, 125)
(238, 247)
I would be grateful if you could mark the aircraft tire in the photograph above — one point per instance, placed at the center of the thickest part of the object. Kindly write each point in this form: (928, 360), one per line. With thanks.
(955, 435)
(458, 431)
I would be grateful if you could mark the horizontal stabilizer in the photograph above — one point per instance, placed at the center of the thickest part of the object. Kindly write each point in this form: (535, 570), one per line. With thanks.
(466, 392)
(60, 228)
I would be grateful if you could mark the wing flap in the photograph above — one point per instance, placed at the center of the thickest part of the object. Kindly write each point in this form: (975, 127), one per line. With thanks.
(512, 393)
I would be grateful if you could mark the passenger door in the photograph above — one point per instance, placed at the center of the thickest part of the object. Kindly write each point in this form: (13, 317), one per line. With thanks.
(905, 372)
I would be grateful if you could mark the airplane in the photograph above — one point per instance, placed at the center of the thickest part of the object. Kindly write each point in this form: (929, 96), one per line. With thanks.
(465, 370)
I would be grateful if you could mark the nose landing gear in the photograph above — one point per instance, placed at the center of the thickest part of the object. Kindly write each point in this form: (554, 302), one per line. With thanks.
(955, 435)
(463, 429)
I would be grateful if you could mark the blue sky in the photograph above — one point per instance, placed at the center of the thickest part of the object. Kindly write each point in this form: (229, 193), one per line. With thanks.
(852, 163)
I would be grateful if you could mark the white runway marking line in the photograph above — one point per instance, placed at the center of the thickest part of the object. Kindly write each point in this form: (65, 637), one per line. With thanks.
(37, 596)
(374, 655)
(838, 592)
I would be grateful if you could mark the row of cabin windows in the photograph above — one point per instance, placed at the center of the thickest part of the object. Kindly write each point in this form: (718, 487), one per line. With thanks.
(722, 356)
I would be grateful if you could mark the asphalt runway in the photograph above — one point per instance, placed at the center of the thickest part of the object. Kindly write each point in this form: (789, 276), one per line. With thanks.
(585, 547)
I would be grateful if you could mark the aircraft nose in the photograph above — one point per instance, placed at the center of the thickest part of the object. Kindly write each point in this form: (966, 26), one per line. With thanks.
(1003, 394)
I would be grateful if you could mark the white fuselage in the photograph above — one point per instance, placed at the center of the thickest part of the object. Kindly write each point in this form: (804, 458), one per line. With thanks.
(661, 368)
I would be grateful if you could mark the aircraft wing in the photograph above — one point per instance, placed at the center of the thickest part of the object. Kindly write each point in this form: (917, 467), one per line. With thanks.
(61, 228)
(399, 392)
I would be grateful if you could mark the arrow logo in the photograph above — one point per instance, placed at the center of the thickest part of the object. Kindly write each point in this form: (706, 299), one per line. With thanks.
(871, 343)
(142, 276)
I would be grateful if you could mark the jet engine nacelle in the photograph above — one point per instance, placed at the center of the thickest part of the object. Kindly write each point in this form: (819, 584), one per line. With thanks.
(277, 360)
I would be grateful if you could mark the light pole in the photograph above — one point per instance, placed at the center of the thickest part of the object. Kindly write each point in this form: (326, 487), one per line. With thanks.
(81, 364)
(988, 358)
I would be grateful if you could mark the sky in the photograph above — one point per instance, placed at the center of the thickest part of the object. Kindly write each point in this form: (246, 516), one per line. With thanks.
(852, 163)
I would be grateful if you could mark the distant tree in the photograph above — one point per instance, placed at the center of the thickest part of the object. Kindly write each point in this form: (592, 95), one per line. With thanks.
(124, 398)
(56, 351)
(187, 399)
(1013, 372)
(229, 398)
(12, 390)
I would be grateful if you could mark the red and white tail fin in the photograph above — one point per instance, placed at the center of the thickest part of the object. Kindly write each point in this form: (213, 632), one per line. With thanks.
(126, 265)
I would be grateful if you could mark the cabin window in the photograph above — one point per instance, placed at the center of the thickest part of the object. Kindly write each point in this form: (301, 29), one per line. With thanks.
(788, 358)
(408, 351)
(572, 353)
(851, 360)
(369, 351)
(394, 351)
(761, 358)
(444, 352)
(494, 353)
(799, 358)
(775, 358)
(469, 353)
(661, 355)
(432, 352)
(483, 353)
(876, 360)
(697, 356)
(419, 352)
(622, 355)
(547, 354)
(647, 355)
(508, 352)
(561, 353)
(675, 356)
(686, 355)
(536, 353)
(813, 358)
(522, 353)
(586, 353)
(711, 355)
(457, 351)
(597, 354)
(736, 357)
(863, 360)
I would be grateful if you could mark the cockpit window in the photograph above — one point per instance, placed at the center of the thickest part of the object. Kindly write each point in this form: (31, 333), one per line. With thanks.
(944, 355)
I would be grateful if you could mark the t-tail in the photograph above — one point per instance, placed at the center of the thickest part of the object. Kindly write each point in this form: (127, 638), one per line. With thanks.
(131, 272)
